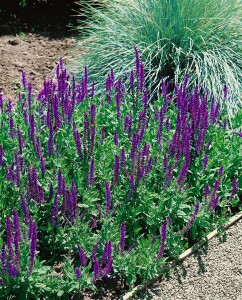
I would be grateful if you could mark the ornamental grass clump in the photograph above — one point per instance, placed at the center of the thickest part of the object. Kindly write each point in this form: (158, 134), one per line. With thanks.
(109, 187)
(175, 38)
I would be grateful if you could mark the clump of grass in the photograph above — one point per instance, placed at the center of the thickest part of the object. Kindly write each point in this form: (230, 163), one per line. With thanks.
(201, 38)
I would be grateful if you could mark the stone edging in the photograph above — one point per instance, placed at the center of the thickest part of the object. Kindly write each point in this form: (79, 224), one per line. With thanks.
(182, 257)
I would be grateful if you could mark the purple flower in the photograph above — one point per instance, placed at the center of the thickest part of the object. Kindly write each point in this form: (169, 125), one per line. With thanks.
(94, 250)
(122, 236)
(82, 214)
(107, 258)
(30, 96)
(78, 273)
(191, 221)
(235, 183)
(24, 79)
(93, 223)
(1, 155)
(92, 113)
(108, 198)
(116, 169)
(16, 237)
(33, 246)
(238, 133)
(1, 102)
(32, 127)
(132, 183)
(168, 177)
(70, 206)
(131, 248)
(9, 233)
(225, 90)
(12, 270)
(91, 172)
(119, 97)
(123, 157)
(220, 171)
(207, 191)
(82, 256)
(95, 270)
(25, 208)
(163, 233)
(115, 139)
(11, 127)
(184, 170)
(153, 240)
(205, 161)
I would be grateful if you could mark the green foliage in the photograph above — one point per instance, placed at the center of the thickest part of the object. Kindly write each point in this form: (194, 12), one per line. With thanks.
(143, 208)
(199, 38)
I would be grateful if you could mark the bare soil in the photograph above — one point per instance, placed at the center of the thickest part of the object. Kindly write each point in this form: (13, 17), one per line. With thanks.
(36, 53)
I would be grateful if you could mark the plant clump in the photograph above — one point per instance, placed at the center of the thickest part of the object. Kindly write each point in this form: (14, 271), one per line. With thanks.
(97, 188)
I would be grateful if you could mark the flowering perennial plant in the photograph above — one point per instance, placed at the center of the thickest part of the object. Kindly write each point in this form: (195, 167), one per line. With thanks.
(114, 185)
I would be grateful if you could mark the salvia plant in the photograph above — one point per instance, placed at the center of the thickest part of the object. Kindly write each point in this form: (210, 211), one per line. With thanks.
(175, 38)
(96, 188)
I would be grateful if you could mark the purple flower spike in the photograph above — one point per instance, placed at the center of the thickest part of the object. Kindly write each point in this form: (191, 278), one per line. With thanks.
(95, 270)
(153, 240)
(184, 170)
(33, 246)
(78, 273)
(220, 171)
(12, 271)
(91, 172)
(205, 162)
(24, 79)
(107, 258)
(1, 155)
(108, 198)
(115, 139)
(116, 169)
(122, 236)
(92, 113)
(189, 224)
(94, 250)
(9, 232)
(11, 127)
(235, 183)
(207, 191)
(163, 233)
(82, 256)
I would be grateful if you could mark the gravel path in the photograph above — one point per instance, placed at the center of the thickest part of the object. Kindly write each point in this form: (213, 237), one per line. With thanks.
(213, 272)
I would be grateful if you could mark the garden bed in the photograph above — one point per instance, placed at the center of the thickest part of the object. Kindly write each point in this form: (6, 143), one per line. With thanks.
(104, 184)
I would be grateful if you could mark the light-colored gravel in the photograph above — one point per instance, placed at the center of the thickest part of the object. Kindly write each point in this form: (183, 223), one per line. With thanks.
(213, 272)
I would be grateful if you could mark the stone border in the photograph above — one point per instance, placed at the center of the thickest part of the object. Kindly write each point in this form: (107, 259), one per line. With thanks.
(182, 257)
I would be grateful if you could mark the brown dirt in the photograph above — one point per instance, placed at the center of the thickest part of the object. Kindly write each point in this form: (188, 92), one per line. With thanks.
(37, 54)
